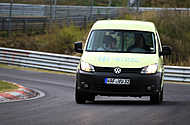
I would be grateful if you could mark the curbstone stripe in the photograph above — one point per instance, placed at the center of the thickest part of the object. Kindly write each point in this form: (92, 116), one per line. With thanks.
(3, 99)
(18, 94)
(8, 96)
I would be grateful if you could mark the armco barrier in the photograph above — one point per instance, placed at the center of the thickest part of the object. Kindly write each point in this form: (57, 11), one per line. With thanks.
(49, 61)
(70, 11)
(66, 63)
(176, 73)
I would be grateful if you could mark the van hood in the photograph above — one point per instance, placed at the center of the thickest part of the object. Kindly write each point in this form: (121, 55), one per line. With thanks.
(123, 60)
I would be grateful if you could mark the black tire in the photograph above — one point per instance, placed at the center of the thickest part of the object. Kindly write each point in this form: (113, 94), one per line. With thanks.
(157, 98)
(79, 98)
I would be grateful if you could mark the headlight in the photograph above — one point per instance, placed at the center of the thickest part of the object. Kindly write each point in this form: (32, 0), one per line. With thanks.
(86, 67)
(150, 69)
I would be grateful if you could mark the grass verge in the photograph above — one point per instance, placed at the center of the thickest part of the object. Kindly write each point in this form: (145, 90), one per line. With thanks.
(6, 86)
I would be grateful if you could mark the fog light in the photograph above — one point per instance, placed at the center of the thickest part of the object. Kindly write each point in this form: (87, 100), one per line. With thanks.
(85, 85)
(149, 88)
(82, 84)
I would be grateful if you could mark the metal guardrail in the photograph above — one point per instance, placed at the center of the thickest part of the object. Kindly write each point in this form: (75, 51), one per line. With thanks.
(27, 16)
(177, 73)
(62, 11)
(66, 63)
(22, 9)
(23, 23)
(42, 60)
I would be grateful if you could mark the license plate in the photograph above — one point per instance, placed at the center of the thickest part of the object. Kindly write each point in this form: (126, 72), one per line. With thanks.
(117, 81)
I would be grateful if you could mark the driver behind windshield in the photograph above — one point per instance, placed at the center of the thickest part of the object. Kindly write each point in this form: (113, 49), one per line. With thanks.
(139, 45)
(109, 44)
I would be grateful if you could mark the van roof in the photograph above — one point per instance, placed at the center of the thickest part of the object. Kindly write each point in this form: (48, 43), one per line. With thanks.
(124, 25)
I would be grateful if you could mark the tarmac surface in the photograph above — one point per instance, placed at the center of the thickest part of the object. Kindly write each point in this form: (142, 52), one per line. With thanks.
(58, 107)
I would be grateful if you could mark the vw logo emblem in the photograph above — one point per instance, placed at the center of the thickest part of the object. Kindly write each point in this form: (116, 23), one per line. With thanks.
(117, 70)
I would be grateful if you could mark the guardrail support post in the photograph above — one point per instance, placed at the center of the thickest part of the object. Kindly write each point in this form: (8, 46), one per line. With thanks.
(85, 23)
(3, 24)
(9, 19)
(24, 26)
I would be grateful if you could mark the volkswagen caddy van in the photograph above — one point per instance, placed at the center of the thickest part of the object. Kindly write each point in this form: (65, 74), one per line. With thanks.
(121, 58)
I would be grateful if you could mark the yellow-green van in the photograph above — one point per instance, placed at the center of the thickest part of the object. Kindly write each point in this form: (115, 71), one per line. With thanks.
(121, 58)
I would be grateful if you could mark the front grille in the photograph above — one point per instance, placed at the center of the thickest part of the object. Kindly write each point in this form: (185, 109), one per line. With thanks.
(123, 70)
(104, 69)
(113, 88)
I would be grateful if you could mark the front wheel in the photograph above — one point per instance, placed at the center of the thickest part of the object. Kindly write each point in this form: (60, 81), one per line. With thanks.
(157, 98)
(79, 98)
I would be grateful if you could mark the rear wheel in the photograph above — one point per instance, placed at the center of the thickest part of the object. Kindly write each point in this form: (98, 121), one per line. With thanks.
(157, 98)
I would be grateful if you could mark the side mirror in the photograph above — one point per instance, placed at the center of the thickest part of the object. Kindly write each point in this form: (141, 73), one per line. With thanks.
(78, 47)
(166, 50)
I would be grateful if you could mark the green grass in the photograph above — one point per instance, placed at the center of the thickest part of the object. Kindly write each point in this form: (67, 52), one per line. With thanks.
(56, 40)
(6, 86)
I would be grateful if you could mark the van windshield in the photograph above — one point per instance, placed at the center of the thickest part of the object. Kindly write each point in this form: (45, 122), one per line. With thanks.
(121, 41)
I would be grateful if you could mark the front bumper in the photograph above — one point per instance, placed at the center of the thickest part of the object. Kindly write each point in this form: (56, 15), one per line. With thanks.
(140, 85)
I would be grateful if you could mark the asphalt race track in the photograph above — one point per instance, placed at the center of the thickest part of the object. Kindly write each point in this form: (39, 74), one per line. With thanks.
(59, 108)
